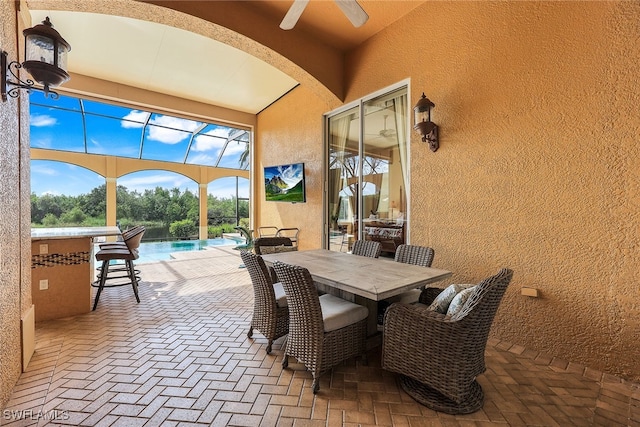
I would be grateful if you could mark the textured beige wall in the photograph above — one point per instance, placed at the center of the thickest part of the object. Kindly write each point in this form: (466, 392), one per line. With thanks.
(15, 222)
(538, 168)
(289, 132)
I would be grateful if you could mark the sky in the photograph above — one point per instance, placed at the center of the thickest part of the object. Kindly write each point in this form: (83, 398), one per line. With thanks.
(291, 174)
(59, 124)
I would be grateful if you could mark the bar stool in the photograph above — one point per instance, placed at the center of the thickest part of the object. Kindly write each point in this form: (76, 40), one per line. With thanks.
(127, 253)
(121, 242)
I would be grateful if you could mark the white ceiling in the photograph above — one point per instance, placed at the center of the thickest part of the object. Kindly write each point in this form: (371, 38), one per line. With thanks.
(167, 60)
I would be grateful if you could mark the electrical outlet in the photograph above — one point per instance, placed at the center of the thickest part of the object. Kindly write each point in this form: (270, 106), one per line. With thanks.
(529, 292)
(44, 284)
(44, 249)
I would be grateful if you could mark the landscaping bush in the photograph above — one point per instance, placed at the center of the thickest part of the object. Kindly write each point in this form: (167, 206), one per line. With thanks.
(183, 229)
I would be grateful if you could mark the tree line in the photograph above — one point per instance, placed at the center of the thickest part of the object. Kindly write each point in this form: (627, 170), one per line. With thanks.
(160, 206)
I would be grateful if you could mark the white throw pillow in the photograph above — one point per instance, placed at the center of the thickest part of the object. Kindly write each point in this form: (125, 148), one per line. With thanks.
(458, 301)
(441, 303)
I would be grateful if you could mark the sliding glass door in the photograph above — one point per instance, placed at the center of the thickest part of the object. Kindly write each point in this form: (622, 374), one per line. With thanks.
(367, 172)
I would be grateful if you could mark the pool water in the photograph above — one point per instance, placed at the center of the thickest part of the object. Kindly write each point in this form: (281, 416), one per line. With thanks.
(160, 251)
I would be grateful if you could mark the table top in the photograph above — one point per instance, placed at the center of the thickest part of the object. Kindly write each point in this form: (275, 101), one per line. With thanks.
(73, 232)
(372, 278)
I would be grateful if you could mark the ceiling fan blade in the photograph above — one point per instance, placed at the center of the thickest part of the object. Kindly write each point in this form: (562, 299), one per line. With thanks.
(292, 16)
(353, 11)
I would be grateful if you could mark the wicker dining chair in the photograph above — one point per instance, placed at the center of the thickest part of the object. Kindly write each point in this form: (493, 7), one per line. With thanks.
(439, 356)
(409, 254)
(270, 310)
(414, 254)
(368, 248)
(323, 330)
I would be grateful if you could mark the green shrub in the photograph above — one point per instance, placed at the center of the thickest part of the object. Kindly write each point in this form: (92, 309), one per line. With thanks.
(182, 229)
(73, 217)
(50, 220)
(215, 231)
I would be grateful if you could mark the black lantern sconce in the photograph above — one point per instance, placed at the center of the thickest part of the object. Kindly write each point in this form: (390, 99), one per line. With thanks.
(423, 124)
(45, 53)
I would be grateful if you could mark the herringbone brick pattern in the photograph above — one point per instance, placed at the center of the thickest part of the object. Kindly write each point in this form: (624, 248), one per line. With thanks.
(182, 358)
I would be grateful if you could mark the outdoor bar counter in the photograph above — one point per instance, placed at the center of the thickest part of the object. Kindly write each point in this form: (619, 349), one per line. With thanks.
(62, 269)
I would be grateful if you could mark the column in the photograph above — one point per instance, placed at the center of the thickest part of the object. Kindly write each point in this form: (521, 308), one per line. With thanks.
(204, 215)
(111, 201)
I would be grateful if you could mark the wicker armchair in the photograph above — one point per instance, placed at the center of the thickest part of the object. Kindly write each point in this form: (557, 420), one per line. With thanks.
(323, 331)
(270, 317)
(439, 357)
(269, 245)
(367, 248)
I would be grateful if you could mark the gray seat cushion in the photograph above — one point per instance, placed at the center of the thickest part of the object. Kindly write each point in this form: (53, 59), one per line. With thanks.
(281, 298)
(338, 313)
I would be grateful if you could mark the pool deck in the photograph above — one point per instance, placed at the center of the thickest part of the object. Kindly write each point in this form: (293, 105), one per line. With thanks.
(205, 253)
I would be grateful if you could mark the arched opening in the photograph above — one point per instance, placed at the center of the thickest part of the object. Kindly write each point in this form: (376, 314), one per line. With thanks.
(167, 203)
(228, 204)
(64, 194)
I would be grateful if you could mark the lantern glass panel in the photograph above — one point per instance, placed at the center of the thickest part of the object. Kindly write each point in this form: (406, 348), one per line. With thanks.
(39, 48)
(421, 116)
(62, 57)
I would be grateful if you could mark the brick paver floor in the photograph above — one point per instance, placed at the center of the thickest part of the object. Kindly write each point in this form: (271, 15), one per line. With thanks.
(182, 358)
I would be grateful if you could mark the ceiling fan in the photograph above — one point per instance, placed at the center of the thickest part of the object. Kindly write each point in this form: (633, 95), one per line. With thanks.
(353, 11)
(387, 133)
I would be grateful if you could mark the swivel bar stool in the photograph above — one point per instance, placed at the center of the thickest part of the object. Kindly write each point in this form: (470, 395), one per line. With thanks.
(108, 271)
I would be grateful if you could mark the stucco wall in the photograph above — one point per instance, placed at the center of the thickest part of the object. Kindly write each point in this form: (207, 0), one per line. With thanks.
(291, 131)
(538, 168)
(15, 265)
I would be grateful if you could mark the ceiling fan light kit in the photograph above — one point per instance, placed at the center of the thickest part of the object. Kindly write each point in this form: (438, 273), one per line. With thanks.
(352, 10)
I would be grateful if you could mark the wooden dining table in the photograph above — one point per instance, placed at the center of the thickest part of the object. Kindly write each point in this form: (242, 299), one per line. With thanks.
(372, 278)
(363, 280)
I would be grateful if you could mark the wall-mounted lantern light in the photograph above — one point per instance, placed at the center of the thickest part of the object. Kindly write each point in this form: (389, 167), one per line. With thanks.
(423, 124)
(45, 54)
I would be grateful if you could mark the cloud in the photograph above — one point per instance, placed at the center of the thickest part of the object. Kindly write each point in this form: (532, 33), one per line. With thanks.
(171, 130)
(226, 187)
(290, 174)
(94, 142)
(148, 181)
(202, 159)
(212, 140)
(234, 148)
(42, 120)
(135, 119)
(41, 142)
(41, 169)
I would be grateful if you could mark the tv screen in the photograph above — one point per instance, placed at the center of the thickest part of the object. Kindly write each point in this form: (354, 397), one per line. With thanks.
(284, 183)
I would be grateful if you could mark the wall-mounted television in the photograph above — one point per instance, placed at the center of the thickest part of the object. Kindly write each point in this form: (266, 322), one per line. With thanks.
(284, 183)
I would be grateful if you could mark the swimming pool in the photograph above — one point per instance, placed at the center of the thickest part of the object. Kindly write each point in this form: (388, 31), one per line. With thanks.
(160, 251)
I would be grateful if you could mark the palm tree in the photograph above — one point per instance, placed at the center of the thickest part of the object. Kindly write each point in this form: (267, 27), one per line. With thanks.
(244, 157)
